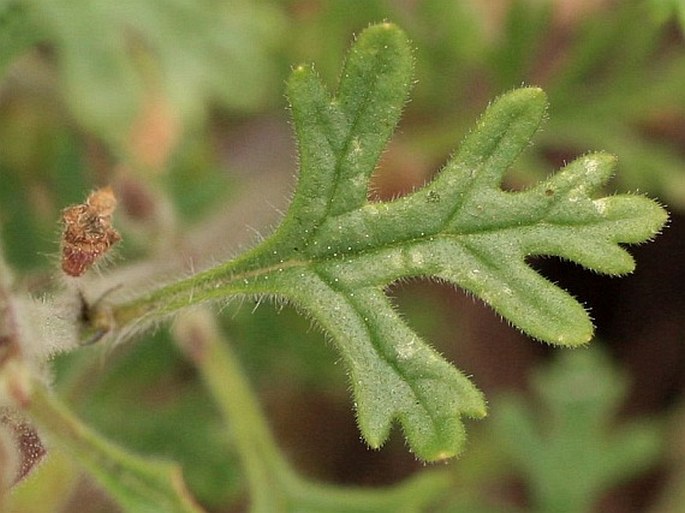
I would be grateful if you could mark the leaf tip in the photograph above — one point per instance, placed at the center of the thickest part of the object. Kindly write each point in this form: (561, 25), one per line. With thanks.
(388, 25)
(443, 455)
(479, 410)
(299, 71)
(385, 35)
(383, 27)
(578, 338)
(532, 95)
(373, 440)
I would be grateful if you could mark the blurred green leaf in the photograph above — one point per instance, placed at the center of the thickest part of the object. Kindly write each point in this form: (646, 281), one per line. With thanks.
(18, 32)
(196, 182)
(664, 10)
(114, 56)
(518, 45)
(571, 450)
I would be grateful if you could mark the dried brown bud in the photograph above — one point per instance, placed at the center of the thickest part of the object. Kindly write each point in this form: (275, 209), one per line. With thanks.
(88, 232)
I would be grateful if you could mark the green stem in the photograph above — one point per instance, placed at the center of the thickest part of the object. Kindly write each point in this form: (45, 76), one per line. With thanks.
(268, 474)
(234, 277)
(138, 484)
(274, 487)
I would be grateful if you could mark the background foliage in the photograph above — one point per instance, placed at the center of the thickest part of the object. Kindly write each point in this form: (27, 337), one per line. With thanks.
(181, 105)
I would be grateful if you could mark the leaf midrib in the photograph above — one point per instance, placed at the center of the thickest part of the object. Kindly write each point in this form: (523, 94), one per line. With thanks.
(375, 341)
(311, 262)
(334, 104)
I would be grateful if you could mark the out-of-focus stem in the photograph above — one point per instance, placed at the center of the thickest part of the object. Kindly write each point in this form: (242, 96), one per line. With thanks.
(138, 484)
(9, 343)
(267, 471)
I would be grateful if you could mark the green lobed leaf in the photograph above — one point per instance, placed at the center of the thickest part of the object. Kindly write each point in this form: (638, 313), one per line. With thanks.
(461, 227)
(335, 251)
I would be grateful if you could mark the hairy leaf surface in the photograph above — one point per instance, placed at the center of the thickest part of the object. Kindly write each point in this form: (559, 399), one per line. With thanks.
(336, 252)
(462, 228)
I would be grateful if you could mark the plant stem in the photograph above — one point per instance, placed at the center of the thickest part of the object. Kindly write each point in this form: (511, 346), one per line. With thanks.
(268, 473)
(241, 275)
(138, 484)
(9, 344)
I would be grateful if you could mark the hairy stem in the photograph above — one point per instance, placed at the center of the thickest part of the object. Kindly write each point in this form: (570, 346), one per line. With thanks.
(247, 274)
(213, 284)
